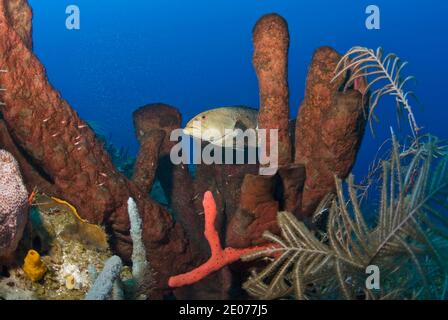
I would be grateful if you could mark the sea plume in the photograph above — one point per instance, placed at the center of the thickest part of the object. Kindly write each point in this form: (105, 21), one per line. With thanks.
(408, 242)
(384, 77)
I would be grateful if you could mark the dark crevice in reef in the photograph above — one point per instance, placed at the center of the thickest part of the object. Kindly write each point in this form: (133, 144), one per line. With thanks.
(4, 273)
(34, 164)
(28, 158)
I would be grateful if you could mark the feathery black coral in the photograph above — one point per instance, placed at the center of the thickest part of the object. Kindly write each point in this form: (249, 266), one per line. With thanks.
(384, 77)
(408, 242)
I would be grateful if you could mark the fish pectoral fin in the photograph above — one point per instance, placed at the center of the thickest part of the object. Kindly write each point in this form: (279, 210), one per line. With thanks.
(240, 125)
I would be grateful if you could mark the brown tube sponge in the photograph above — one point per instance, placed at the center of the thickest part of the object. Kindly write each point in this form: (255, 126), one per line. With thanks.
(229, 179)
(20, 18)
(147, 159)
(292, 180)
(32, 178)
(270, 59)
(329, 129)
(153, 125)
(51, 133)
(257, 212)
(157, 116)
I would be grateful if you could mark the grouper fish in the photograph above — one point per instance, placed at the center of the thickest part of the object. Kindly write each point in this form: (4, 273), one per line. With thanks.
(217, 121)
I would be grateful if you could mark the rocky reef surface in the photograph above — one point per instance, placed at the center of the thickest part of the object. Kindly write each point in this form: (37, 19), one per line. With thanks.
(60, 155)
(67, 255)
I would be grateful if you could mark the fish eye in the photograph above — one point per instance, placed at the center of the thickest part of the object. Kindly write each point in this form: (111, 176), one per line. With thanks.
(203, 117)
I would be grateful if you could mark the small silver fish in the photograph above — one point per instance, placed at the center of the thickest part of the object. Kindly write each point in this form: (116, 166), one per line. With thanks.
(218, 121)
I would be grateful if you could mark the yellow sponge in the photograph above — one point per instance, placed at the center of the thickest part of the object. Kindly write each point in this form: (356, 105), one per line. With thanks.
(33, 267)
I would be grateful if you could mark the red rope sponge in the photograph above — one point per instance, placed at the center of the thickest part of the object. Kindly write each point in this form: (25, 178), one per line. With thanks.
(219, 257)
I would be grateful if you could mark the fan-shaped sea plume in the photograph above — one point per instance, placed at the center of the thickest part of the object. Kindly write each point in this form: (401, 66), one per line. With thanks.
(408, 243)
(384, 77)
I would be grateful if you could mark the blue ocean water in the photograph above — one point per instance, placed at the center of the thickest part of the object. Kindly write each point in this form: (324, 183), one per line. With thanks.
(196, 55)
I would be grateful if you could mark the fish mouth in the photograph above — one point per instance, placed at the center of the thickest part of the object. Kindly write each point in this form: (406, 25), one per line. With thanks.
(192, 130)
(187, 131)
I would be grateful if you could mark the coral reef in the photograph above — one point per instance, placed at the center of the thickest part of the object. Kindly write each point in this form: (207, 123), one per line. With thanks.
(66, 258)
(62, 156)
(153, 126)
(108, 284)
(90, 235)
(11, 288)
(258, 210)
(66, 149)
(340, 119)
(183, 192)
(67, 267)
(13, 204)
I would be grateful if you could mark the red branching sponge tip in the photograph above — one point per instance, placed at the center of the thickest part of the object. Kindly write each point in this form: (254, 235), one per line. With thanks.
(220, 257)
